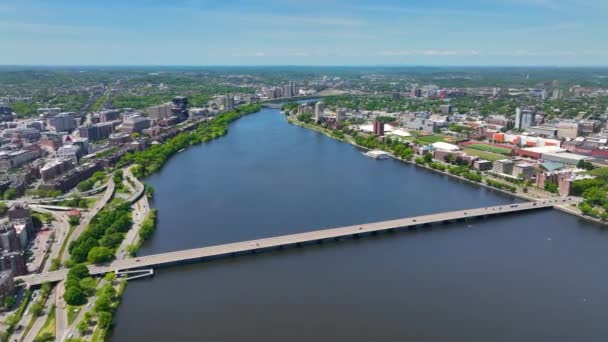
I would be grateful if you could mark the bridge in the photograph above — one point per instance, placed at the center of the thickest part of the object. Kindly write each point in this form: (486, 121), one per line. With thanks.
(293, 240)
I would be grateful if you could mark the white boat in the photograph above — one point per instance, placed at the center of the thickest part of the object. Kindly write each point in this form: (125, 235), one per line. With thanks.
(377, 154)
(182, 150)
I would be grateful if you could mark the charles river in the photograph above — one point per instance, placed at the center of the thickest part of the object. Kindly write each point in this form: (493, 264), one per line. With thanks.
(539, 276)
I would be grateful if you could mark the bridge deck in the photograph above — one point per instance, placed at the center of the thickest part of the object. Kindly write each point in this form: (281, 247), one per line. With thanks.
(191, 255)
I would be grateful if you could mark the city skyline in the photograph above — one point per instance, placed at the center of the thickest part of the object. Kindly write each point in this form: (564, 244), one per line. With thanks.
(472, 32)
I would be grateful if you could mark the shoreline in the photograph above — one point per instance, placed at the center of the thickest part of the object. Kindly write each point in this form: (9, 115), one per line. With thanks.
(518, 195)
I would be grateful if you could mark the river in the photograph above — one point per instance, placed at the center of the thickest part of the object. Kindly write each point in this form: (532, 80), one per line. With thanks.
(532, 277)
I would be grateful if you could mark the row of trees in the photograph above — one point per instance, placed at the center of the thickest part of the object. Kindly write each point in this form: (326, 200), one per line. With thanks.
(153, 158)
(104, 234)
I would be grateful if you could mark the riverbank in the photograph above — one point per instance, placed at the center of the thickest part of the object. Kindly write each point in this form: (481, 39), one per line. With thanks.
(517, 194)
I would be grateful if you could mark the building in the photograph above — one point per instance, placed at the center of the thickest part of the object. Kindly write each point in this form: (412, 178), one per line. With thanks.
(568, 129)
(445, 109)
(8, 239)
(71, 152)
(71, 178)
(544, 131)
(523, 171)
(135, 123)
(6, 113)
(31, 134)
(340, 114)
(64, 122)
(13, 261)
(293, 88)
(379, 128)
(319, 111)
(109, 115)
(524, 118)
(7, 284)
(160, 112)
(564, 157)
(13, 159)
(228, 102)
(98, 131)
(482, 165)
(21, 212)
(504, 166)
(416, 92)
(286, 90)
(55, 168)
(179, 107)
(46, 112)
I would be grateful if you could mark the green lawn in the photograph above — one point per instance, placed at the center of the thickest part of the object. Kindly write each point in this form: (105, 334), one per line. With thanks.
(73, 313)
(483, 154)
(49, 324)
(492, 149)
(430, 139)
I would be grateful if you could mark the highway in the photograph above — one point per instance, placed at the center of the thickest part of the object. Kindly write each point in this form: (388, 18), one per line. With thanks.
(252, 246)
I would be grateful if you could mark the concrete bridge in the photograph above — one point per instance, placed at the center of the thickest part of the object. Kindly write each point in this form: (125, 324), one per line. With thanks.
(294, 240)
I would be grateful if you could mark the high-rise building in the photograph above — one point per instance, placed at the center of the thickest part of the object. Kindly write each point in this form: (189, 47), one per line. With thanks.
(180, 107)
(379, 128)
(8, 239)
(416, 92)
(109, 115)
(228, 102)
(340, 114)
(524, 118)
(319, 111)
(293, 88)
(286, 89)
(63, 122)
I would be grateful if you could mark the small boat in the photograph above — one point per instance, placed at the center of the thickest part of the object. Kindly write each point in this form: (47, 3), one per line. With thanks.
(182, 150)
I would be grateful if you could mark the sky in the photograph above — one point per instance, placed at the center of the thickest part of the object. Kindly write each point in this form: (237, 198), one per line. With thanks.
(304, 32)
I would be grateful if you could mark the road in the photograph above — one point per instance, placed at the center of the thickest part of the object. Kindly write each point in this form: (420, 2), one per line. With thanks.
(87, 216)
(41, 319)
(252, 246)
(61, 315)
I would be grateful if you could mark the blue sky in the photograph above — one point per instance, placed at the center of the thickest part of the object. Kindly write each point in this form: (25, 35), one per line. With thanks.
(304, 32)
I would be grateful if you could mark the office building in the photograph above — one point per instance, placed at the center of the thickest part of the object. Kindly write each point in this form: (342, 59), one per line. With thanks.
(54, 168)
(135, 123)
(160, 112)
(294, 88)
(523, 171)
(13, 261)
(7, 284)
(319, 111)
(109, 115)
(64, 122)
(8, 238)
(379, 128)
(504, 166)
(524, 118)
(228, 102)
(6, 113)
(71, 152)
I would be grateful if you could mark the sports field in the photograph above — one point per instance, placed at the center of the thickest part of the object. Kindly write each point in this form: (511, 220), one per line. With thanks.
(492, 149)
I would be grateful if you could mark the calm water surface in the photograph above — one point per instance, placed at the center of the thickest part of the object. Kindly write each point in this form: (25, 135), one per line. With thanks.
(534, 277)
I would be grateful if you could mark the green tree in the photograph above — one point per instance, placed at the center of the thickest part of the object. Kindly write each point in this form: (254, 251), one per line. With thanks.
(10, 194)
(428, 158)
(3, 209)
(75, 296)
(45, 337)
(83, 327)
(8, 302)
(36, 308)
(100, 255)
(79, 271)
(551, 187)
(105, 320)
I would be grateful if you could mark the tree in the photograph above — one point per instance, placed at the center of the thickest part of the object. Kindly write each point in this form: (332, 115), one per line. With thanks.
(449, 158)
(79, 271)
(428, 157)
(583, 164)
(74, 220)
(10, 194)
(74, 296)
(3, 208)
(100, 254)
(36, 309)
(105, 319)
(8, 302)
(83, 327)
(551, 187)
